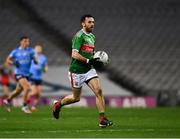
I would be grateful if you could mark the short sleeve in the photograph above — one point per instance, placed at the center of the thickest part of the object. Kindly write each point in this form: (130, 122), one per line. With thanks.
(76, 43)
(12, 54)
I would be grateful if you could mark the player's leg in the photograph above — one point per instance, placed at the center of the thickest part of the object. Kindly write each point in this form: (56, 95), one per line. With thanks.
(77, 81)
(5, 86)
(5, 90)
(16, 92)
(37, 96)
(36, 90)
(26, 89)
(95, 86)
(74, 97)
(33, 94)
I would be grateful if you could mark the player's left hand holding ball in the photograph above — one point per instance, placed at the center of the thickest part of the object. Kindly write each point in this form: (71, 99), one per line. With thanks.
(96, 63)
(93, 61)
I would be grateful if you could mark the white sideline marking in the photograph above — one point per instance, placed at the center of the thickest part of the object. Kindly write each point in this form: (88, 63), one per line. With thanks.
(89, 130)
(112, 130)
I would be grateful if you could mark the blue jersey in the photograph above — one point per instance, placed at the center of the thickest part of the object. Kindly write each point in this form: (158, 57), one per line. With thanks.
(36, 70)
(22, 57)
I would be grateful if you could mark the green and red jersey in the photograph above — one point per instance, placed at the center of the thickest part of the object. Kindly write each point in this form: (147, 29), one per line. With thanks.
(84, 44)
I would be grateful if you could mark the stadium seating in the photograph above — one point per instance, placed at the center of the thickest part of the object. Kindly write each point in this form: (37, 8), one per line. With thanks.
(141, 37)
(14, 24)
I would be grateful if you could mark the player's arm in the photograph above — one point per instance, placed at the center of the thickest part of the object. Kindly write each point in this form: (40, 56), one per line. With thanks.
(76, 45)
(77, 56)
(45, 65)
(9, 60)
(35, 60)
(45, 69)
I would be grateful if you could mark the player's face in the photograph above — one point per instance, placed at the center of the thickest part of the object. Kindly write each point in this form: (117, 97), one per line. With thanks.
(25, 43)
(38, 49)
(88, 24)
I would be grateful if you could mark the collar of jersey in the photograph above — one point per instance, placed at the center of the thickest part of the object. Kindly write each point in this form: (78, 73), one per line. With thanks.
(85, 32)
(22, 48)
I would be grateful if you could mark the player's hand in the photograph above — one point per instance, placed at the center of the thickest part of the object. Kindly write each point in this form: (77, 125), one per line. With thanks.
(45, 69)
(96, 63)
(93, 61)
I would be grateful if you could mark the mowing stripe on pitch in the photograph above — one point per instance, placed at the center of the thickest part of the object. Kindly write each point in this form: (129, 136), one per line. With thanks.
(89, 130)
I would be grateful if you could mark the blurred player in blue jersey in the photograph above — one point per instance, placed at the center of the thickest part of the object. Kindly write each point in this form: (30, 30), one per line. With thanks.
(36, 71)
(22, 58)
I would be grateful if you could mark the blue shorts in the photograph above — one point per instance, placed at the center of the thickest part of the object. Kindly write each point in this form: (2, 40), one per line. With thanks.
(19, 76)
(36, 81)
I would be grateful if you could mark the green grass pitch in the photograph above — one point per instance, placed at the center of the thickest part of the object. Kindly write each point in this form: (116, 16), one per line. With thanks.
(83, 122)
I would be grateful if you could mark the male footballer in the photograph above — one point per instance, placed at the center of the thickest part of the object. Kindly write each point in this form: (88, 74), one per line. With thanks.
(82, 71)
(21, 57)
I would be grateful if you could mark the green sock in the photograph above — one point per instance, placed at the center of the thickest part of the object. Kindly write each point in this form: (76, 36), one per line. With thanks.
(101, 114)
(61, 104)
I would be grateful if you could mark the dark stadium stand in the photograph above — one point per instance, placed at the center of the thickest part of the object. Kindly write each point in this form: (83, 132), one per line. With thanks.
(140, 36)
(14, 24)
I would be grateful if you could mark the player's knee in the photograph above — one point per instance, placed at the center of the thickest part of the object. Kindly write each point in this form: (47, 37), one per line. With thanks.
(18, 90)
(27, 88)
(98, 91)
(76, 99)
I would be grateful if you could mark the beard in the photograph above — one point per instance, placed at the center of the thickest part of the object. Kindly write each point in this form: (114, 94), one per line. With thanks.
(89, 30)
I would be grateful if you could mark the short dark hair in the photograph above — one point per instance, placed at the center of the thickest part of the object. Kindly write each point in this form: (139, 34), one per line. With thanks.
(23, 37)
(84, 17)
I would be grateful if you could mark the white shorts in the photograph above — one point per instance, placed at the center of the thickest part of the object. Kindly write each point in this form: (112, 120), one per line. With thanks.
(77, 80)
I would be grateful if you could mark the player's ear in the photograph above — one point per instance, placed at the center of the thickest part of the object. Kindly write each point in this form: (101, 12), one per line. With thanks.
(83, 24)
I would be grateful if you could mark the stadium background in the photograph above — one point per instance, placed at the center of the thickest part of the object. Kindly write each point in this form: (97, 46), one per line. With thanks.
(141, 38)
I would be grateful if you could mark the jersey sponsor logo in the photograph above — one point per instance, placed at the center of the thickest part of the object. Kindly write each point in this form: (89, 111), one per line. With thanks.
(25, 61)
(87, 48)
